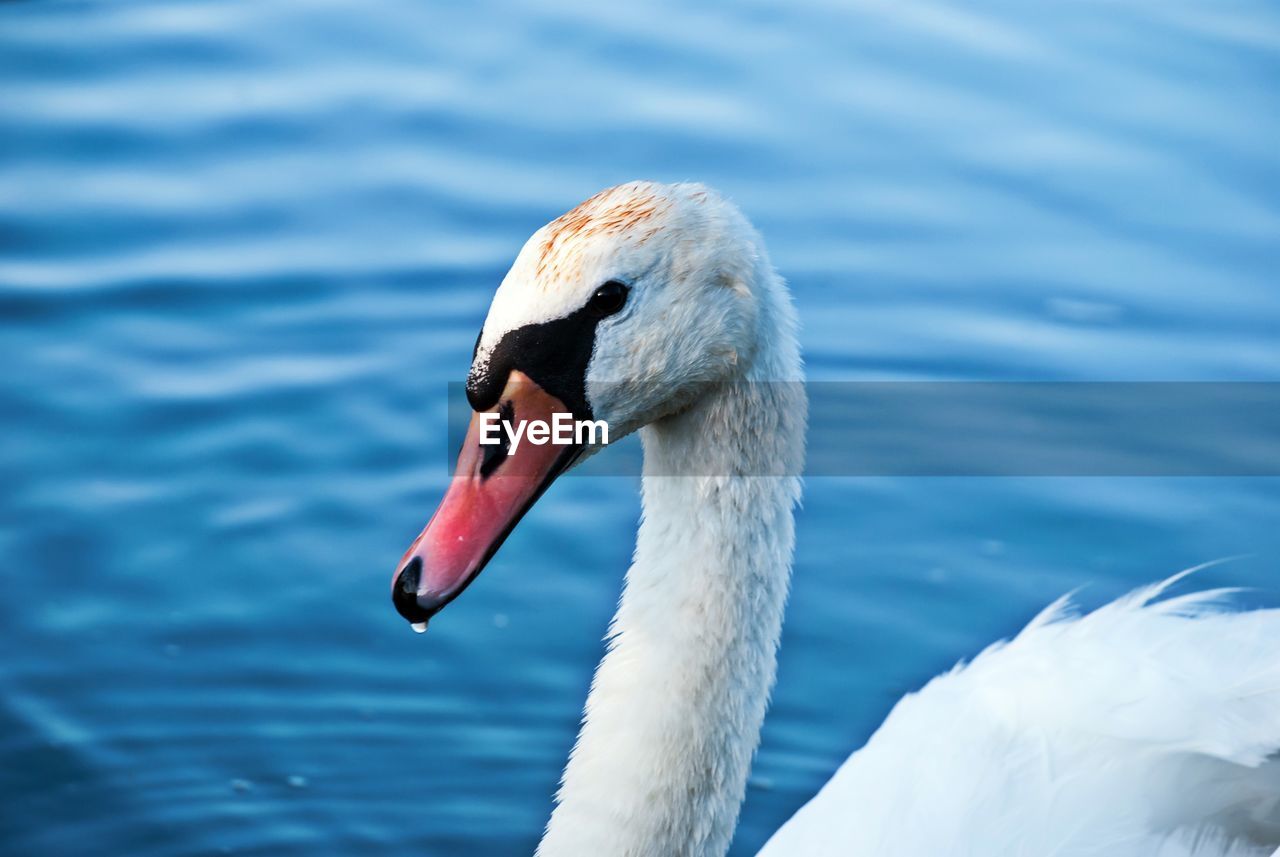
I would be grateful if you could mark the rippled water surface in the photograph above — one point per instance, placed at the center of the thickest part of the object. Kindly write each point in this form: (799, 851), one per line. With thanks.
(244, 247)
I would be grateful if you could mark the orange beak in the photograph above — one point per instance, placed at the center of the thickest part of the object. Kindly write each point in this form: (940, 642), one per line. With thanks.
(492, 487)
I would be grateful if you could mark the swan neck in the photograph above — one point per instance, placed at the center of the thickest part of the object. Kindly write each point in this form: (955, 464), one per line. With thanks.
(673, 718)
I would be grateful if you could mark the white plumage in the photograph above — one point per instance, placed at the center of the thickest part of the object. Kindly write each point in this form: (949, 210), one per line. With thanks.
(1143, 729)
(1147, 728)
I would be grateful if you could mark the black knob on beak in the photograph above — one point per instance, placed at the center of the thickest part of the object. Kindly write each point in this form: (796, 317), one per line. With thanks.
(405, 592)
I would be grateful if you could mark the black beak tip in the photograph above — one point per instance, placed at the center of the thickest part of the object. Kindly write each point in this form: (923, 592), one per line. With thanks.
(405, 593)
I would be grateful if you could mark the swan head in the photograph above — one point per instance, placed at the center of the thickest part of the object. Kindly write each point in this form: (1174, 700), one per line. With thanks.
(624, 305)
(621, 311)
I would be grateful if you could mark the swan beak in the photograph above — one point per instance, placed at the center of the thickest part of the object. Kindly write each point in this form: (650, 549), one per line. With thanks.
(492, 487)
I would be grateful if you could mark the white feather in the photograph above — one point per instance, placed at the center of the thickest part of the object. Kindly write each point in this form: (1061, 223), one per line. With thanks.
(1144, 728)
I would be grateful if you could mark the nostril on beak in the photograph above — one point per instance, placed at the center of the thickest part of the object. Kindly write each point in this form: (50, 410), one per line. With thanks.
(405, 593)
(496, 453)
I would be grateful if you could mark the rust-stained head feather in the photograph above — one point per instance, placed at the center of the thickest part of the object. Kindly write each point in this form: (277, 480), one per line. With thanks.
(625, 210)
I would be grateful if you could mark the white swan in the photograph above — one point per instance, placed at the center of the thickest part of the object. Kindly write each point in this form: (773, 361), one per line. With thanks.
(1145, 728)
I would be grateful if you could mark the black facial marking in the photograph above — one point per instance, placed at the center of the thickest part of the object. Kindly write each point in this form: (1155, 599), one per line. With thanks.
(553, 353)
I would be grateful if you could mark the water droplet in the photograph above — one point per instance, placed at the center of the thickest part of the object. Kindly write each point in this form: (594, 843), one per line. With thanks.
(297, 782)
(419, 627)
(241, 786)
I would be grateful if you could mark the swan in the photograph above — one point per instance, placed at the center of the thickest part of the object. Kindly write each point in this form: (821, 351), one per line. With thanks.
(1147, 728)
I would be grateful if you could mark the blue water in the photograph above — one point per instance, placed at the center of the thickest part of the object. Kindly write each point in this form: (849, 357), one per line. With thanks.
(244, 247)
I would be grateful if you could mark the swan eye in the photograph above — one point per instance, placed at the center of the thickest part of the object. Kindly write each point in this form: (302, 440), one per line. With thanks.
(608, 299)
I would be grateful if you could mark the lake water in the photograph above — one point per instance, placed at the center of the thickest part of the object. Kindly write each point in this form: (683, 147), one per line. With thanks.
(244, 247)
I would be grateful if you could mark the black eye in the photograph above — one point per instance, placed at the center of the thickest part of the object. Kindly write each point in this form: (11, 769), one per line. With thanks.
(608, 299)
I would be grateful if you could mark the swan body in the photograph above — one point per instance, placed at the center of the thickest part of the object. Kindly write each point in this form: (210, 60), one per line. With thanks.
(1143, 729)
(1147, 728)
